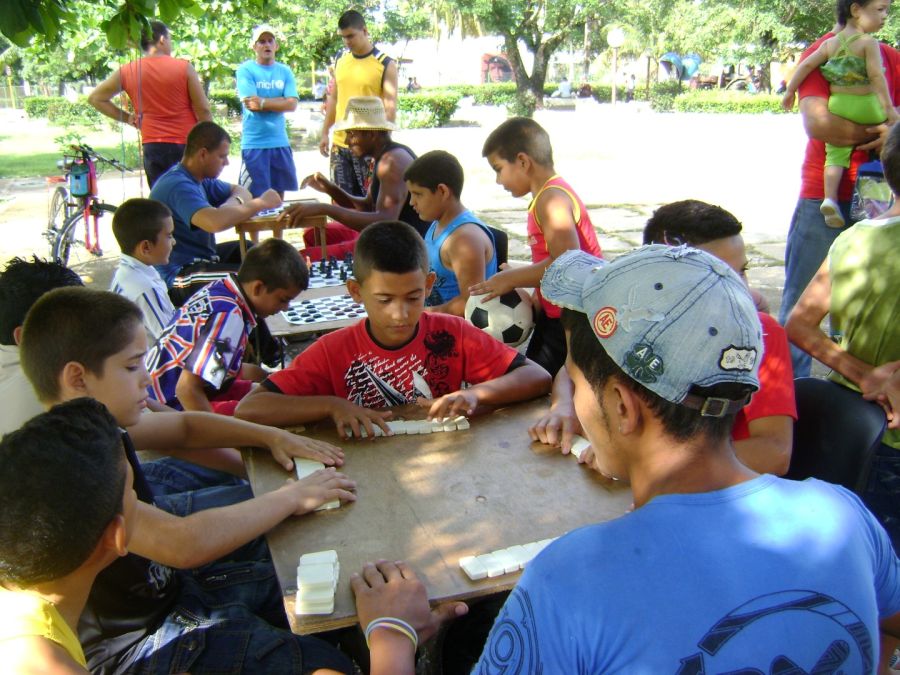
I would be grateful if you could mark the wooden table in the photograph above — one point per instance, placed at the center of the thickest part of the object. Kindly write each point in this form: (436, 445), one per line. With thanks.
(432, 499)
(259, 224)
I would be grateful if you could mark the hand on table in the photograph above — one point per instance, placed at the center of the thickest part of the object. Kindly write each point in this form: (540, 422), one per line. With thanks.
(347, 415)
(285, 446)
(269, 200)
(318, 488)
(462, 402)
(497, 285)
(393, 589)
(296, 212)
(557, 428)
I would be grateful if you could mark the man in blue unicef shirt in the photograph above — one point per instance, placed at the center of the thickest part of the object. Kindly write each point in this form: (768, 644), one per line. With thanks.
(267, 90)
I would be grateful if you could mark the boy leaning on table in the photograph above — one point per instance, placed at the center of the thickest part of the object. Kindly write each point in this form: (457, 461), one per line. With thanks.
(197, 591)
(719, 568)
(399, 354)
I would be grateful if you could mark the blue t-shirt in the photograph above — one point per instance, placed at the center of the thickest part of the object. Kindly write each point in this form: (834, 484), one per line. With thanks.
(767, 576)
(185, 195)
(446, 285)
(265, 128)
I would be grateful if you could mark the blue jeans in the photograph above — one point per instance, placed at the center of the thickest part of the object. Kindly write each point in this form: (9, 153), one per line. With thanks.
(808, 242)
(882, 495)
(169, 476)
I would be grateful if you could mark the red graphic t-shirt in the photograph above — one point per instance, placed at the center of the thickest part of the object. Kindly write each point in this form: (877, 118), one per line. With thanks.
(445, 352)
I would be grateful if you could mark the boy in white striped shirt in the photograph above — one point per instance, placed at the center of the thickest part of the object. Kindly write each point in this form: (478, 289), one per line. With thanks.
(143, 228)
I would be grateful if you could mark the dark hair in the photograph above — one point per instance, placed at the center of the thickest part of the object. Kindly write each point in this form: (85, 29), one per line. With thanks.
(890, 159)
(275, 263)
(434, 168)
(679, 422)
(389, 246)
(690, 222)
(74, 324)
(520, 134)
(62, 481)
(158, 30)
(351, 19)
(138, 220)
(842, 9)
(22, 282)
(205, 136)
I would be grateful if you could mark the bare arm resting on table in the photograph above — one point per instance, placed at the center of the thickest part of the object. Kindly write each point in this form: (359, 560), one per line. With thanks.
(202, 537)
(218, 219)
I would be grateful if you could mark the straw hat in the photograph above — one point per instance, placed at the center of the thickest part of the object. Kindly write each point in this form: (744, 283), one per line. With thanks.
(365, 112)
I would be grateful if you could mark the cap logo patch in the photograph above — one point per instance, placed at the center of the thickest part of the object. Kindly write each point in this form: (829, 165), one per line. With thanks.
(738, 358)
(643, 364)
(605, 323)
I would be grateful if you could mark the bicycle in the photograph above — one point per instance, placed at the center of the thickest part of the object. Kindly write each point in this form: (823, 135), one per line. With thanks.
(76, 200)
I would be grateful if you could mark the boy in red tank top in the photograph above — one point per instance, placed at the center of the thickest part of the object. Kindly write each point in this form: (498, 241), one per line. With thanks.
(520, 153)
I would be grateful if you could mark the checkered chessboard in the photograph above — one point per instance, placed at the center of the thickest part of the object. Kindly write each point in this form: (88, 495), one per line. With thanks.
(322, 310)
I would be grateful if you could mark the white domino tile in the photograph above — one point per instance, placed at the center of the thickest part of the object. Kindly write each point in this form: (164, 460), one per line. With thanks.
(579, 445)
(503, 561)
(305, 467)
(402, 427)
(317, 578)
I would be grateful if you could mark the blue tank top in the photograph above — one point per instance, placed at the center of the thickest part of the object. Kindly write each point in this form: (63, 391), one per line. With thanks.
(446, 287)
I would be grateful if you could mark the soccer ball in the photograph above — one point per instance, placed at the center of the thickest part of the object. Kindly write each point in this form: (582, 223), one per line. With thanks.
(508, 318)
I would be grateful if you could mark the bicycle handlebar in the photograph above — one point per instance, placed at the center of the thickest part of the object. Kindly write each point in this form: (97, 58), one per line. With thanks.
(93, 154)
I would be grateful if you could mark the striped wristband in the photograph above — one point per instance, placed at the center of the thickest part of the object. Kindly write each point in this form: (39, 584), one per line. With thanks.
(392, 623)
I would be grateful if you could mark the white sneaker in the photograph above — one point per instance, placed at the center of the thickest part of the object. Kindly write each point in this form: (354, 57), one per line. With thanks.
(832, 214)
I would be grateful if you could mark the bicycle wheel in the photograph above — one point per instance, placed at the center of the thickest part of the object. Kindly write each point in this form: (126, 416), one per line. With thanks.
(59, 211)
(68, 248)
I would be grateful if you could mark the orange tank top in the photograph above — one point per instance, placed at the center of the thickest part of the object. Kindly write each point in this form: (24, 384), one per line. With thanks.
(158, 89)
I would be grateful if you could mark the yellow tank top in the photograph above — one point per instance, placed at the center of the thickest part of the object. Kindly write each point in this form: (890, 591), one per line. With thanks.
(24, 614)
(357, 76)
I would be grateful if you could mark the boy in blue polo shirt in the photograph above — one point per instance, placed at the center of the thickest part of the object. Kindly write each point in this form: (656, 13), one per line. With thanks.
(267, 90)
(461, 249)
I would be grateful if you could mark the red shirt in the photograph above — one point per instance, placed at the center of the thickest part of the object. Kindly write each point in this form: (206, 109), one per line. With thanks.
(157, 87)
(811, 173)
(445, 352)
(776, 381)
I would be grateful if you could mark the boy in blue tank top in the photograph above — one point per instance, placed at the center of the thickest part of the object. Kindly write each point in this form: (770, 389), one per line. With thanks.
(461, 248)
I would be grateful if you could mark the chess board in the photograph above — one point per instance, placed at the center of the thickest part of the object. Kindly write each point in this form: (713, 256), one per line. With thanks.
(323, 310)
(331, 272)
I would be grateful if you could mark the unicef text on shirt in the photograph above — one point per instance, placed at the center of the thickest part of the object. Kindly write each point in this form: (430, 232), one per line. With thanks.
(270, 84)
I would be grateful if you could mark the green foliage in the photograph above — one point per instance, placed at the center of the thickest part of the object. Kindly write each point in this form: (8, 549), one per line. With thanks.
(499, 93)
(228, 98)
(36, 106)
(62, 112)
(719, 101)
(427, 109)
(663, 95)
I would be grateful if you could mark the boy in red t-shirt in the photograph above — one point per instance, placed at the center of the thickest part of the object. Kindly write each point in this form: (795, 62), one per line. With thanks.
(520, 154)
(399, 354)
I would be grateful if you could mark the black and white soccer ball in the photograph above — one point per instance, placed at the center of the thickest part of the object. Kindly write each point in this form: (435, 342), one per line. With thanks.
(508, 318)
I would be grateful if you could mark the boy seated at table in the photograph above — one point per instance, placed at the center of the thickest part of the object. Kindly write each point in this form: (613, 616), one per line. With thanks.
(143, 615)
(53, 540)
(198, 362)
(461, 248)
(399, 354)
(144, 230)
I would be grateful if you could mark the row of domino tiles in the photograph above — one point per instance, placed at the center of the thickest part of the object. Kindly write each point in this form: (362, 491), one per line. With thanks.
(317, 578)
(504, 561)
(400, 427)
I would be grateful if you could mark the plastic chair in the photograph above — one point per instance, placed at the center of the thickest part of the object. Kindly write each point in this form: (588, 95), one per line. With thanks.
(836, 434)
(501, 241)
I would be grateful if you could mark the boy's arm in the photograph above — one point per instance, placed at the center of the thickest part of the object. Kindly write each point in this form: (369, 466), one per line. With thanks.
(264, 406)
(525, 276)
(218, 219)
(193, 430)
(202, 537)
(466, 252)
(560, 423)
(191, 392)
(875, 71)
(525, 382)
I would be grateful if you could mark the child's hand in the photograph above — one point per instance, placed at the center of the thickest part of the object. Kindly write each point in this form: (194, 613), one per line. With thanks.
(284, 446)
(320, 487)
(462, 402)
(787, 101)
(349, 416)
(557, 428)
(491, 288)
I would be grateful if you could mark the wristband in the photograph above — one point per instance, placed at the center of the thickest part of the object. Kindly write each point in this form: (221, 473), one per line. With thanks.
(262, 104)
(395, 624)
(238, 199)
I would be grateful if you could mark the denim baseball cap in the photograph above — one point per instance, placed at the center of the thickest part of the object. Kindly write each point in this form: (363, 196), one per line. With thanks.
(670, 318)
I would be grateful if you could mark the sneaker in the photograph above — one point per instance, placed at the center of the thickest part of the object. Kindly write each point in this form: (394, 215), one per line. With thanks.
(832, 214)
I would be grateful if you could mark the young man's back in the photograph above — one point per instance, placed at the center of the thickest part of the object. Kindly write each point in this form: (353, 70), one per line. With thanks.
(780, 574)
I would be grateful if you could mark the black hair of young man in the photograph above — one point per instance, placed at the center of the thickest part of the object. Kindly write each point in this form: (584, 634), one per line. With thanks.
(520, 134)
(389, 246)
(277, 264)
(205, 136)
(138, 220)
(690, 222)
(22, 282)
(435, 168)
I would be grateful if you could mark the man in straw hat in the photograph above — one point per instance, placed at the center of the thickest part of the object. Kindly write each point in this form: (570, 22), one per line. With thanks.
(368, 134)
(719, 568)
